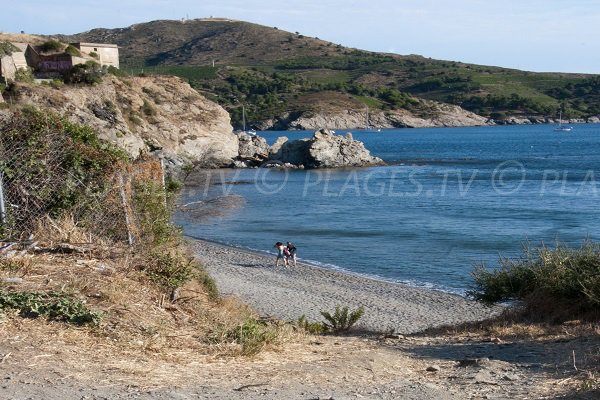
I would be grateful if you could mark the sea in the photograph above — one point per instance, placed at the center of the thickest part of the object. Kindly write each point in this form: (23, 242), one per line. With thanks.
(448, 200)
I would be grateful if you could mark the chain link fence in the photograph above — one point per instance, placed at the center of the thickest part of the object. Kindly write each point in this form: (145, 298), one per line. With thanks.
(50, 184)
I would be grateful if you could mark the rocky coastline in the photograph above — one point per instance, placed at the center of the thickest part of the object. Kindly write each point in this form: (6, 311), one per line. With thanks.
(324, 150)
(166, 117)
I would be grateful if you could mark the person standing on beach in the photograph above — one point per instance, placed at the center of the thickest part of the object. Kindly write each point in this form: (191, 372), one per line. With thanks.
(280, 254)
(292, 251)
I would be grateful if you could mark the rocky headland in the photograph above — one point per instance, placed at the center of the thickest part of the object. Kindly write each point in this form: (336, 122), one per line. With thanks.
(433, 115)
(159, 115)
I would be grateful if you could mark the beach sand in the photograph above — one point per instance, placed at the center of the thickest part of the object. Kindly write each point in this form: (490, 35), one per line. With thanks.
(286, 293)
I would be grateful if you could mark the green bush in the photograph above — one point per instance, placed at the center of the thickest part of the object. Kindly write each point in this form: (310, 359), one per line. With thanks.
(152, 209)
(58, 181)
(51, 45)
(116, 71)
(56, 306)
(72, 51)
(24, 75)
(89, 73)
(544, 278)
(342, 319)
(170, 269)
(315, 328)
(165, 264)
(57, 83)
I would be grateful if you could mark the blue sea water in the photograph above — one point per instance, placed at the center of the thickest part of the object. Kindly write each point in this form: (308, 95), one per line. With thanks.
(449, 199)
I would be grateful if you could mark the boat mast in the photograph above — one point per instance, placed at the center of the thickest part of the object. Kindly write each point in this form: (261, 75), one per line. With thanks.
(560, 118)
(244, 118)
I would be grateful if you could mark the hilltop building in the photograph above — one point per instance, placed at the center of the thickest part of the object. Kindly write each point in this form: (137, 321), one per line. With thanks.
(53, 65)
(108, 54)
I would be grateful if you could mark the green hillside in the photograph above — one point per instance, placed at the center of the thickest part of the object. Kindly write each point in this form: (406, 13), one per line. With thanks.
(272, 72)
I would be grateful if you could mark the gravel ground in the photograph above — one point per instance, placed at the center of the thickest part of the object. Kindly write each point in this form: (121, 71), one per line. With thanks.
(288, 292)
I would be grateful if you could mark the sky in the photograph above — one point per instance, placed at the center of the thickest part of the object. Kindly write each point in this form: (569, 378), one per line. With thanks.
(533, 35)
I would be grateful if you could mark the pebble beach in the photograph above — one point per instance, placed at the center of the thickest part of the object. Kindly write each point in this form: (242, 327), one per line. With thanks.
(286, 293)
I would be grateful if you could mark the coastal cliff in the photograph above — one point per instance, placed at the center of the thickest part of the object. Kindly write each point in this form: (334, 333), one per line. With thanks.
(433, 114)
(159, 114)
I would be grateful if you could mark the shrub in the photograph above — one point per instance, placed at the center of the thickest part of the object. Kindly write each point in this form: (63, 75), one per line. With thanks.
(169, 269)
(342, 319)
(545, 278)
(72, 51)
(253, 335)
(24, 75)
(314, 328)
(152, 210)
(148, 108)
(51, 45)
(56, 306)
(116, 71)
(57, 83)
(84, 160)
(89, 73)
(93, 54)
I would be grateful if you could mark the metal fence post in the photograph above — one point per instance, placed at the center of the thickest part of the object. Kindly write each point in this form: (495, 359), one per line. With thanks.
(163, 181)
(2, 205)
(125, 209)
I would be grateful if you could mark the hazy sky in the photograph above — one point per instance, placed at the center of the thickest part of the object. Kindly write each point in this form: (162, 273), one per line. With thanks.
(536, 35)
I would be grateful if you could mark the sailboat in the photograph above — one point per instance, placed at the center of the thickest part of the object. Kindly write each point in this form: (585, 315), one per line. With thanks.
(561, 127)
(368, 126)
(251, 132)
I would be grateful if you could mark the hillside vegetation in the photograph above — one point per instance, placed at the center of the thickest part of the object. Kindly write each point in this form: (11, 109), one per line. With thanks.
(272, 71)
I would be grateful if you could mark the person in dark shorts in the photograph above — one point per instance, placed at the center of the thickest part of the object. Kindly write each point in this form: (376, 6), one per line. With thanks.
(292, 253)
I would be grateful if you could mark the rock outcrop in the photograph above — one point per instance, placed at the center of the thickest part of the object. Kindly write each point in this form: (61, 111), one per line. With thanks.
(253, 151)
(162, 115)
(323, 150)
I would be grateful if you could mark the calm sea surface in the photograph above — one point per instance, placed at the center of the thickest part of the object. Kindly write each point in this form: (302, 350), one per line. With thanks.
(449, 199)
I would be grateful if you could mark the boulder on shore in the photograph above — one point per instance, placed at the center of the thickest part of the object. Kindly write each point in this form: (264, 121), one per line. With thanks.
(323, 150)
(253, 150)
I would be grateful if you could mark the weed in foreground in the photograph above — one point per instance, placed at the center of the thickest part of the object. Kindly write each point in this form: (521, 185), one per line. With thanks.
(56, 306)
(314, 328)
(342, 319)
(252, 335)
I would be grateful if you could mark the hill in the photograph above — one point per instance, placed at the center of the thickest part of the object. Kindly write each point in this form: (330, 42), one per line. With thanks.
(276, 73)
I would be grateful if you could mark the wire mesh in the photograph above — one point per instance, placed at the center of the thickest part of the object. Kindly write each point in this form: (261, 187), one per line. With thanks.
(35, 187)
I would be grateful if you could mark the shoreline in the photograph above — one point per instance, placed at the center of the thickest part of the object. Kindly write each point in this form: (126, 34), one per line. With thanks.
(336, 268)
(290, 292)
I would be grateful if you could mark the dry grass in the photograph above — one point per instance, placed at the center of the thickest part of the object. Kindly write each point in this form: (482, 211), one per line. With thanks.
(139, 315)
(514, 324)
(21, 38)
(48, 231)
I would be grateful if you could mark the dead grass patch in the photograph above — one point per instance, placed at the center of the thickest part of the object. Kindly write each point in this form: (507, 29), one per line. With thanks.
(21, 38)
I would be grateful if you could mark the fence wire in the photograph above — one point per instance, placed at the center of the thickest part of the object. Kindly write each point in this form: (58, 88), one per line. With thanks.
(37, 189)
